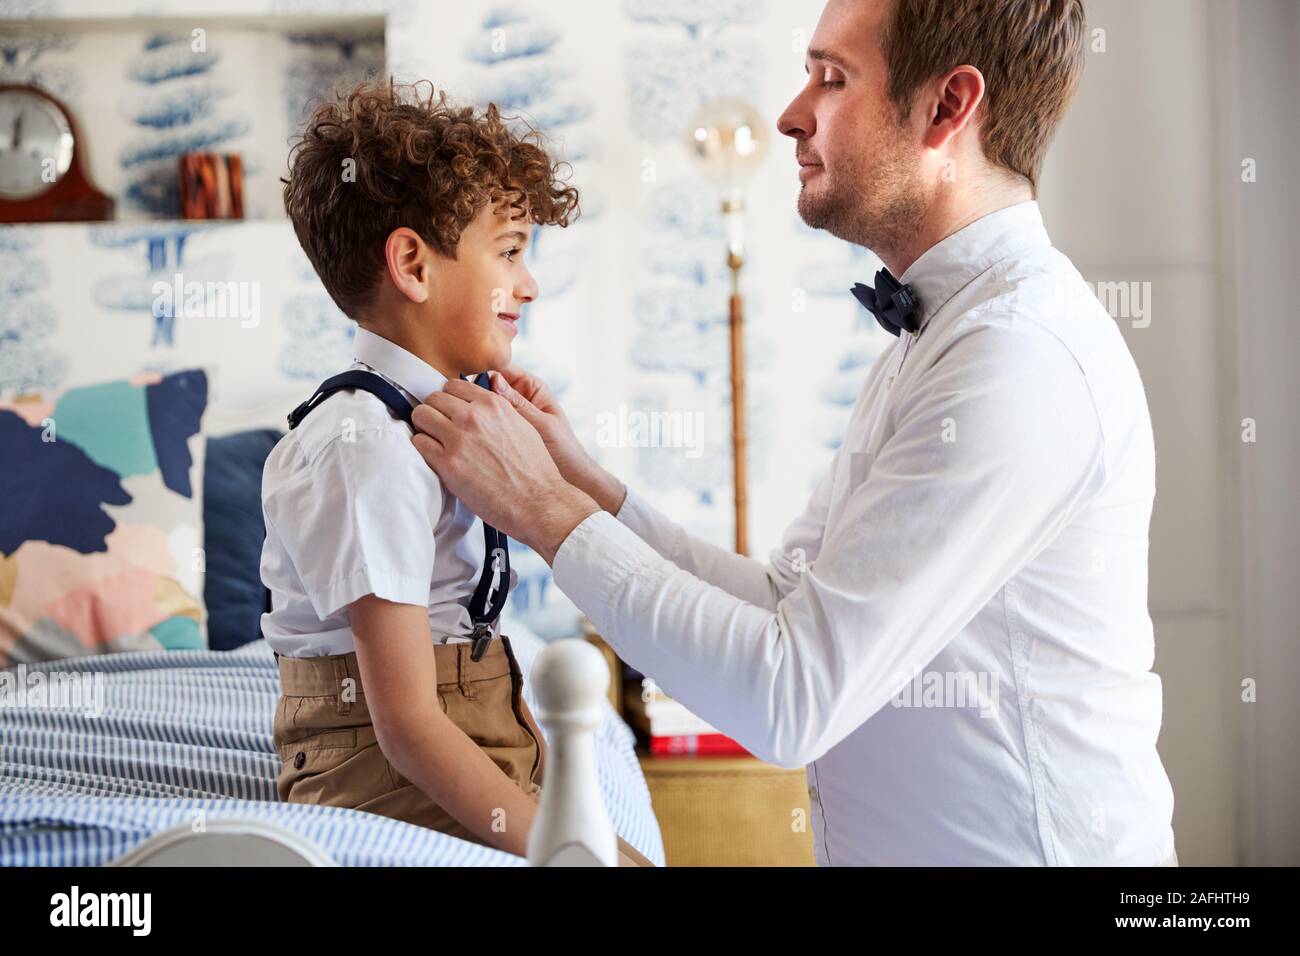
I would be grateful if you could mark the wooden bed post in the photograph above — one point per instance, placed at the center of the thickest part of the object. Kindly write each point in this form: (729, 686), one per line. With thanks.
(572, 827)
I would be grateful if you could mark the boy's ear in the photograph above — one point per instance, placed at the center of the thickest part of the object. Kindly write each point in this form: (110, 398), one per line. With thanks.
(408, 257)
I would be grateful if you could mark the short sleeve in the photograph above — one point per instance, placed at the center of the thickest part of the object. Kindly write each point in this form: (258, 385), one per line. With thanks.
(359, 518)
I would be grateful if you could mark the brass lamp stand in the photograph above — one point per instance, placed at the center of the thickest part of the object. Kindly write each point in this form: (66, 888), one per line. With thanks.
(728, 140)
(739, 433)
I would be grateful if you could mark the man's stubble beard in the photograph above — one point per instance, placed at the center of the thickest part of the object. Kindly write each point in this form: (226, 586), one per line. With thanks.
(876, 203)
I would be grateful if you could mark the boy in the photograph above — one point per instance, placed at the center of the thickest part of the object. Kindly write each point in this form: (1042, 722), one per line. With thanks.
(399, 695)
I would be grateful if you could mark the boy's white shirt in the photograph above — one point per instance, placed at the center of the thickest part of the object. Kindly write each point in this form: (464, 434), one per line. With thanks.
(352, 509)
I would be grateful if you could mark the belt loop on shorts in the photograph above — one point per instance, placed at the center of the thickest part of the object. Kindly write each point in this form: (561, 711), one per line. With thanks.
(341, 675)
(462, 666)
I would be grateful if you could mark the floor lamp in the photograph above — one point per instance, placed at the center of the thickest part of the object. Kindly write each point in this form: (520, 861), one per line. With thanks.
(728, 140)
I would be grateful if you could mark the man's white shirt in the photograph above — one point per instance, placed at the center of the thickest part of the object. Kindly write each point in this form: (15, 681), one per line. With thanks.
(352, 509)
(954, 635)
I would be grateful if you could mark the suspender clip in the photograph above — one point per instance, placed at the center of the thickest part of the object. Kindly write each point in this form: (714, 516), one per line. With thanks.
(299, 413)
(482, 638)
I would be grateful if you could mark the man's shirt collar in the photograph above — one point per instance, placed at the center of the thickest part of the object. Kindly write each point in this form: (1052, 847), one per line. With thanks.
(951, 264)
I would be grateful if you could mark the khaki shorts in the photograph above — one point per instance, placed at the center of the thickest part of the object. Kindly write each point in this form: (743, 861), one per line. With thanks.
(329, 754)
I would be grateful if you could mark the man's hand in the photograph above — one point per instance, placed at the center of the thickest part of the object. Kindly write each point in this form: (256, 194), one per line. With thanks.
(489, 457)
(533, 400)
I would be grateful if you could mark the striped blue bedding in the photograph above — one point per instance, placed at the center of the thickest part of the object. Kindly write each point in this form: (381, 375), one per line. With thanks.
(164, 738)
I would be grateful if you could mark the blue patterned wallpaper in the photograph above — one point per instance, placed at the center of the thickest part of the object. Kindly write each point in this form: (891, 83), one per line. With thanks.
(632, 316)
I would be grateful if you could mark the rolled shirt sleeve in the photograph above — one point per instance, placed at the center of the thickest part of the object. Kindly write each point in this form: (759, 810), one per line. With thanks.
(992, 452)
(360, 520)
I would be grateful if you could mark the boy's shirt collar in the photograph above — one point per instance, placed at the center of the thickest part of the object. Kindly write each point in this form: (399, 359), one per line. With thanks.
(404, 369)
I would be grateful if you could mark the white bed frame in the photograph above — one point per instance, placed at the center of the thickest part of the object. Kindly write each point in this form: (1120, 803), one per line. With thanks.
(572, 827)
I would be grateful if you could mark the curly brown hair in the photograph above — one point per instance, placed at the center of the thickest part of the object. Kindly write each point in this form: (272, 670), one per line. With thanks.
(383, 156)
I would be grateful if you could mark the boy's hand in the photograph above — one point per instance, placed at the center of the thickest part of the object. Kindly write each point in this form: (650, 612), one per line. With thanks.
(399, 672)
(533, 400)
(491, 458)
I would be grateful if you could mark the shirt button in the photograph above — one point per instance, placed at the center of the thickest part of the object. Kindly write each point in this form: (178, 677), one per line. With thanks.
(299, 759)
(813, 795)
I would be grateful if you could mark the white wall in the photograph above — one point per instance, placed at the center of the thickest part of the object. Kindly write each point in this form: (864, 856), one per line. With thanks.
(1129, 194)
(1261, 121)
(1144, 185)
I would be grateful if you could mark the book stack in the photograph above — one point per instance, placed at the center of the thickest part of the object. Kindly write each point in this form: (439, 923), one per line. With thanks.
(669, 728)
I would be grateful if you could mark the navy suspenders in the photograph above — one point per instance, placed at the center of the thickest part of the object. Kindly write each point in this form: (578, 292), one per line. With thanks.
(486, 604)
(366, 381)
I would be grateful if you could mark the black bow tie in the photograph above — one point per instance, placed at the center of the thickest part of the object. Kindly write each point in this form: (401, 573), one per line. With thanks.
(895, 306)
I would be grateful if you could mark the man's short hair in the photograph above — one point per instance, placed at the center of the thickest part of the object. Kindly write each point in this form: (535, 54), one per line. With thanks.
(384, 156)
(1031, 54)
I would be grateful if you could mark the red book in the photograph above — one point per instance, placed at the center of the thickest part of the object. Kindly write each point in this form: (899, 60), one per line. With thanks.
(713, 745)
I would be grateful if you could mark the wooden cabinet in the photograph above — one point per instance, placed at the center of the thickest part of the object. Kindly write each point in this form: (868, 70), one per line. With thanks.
(730, 811)
(722, 811)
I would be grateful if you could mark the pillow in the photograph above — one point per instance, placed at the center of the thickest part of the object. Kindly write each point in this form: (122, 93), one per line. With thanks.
(101, 527)
(233, 532)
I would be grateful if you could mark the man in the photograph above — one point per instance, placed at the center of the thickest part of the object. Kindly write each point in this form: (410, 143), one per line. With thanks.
(954, 634)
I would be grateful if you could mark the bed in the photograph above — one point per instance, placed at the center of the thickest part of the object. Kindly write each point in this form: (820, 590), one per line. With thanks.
(158, 732)
(127, 747)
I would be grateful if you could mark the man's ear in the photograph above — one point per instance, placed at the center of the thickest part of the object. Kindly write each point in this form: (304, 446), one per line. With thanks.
(959, 95)
(407, 257)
